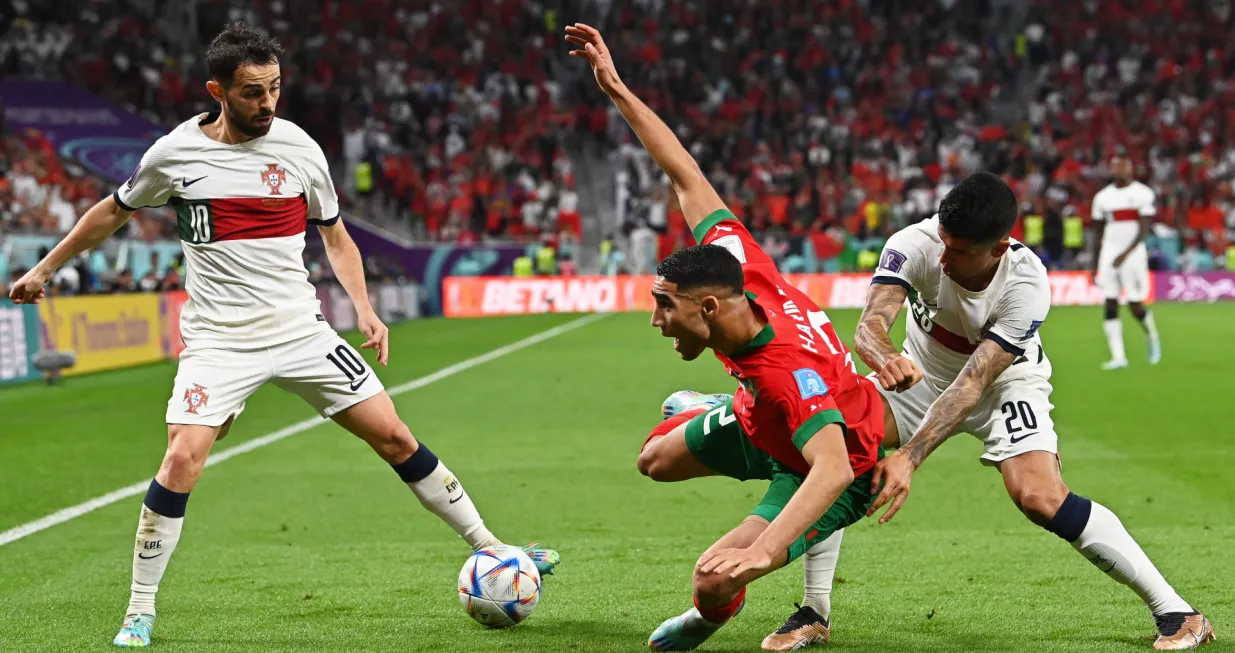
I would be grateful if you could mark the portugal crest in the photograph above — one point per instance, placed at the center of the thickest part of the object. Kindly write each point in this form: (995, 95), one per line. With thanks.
(195, 397)
(274, 176)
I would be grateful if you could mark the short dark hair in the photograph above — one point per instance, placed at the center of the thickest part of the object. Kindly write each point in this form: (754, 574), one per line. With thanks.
(239, 45)
(981, 209)
(702, 266)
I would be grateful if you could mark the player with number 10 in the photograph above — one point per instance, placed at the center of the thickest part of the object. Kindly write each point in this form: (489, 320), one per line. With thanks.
(245, 185)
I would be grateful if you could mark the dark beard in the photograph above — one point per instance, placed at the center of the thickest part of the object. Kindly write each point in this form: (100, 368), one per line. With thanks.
(250, 130)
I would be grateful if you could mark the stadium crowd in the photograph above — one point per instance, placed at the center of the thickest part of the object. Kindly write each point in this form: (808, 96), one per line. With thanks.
(826, 126)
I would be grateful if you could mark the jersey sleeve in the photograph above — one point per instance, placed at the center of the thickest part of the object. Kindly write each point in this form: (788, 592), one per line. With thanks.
(1100, 213)
(1019, 313)
(903, 261)
(806, 402)
(323, 199)
(151, 184)
(723, 229)
(1149, 205)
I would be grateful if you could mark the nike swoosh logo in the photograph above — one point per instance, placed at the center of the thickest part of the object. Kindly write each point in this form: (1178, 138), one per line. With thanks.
(456, 499)
(356, 386)
(1016, 439)
(186, 183)
(145, 557)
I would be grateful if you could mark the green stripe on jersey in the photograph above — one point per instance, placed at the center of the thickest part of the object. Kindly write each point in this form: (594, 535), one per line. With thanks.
(713, 219)
(195, 218)
(811, 426)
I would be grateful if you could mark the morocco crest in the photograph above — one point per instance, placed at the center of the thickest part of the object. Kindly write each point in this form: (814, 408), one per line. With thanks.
(274, 176)
(195, 397)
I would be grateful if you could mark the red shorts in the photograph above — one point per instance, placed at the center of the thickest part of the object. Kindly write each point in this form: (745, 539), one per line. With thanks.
(666, 426)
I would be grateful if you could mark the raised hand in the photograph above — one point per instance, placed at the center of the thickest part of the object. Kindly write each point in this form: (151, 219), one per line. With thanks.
(594, 50)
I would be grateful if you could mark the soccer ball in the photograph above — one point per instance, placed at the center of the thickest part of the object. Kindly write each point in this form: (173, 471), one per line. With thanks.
(499, 586)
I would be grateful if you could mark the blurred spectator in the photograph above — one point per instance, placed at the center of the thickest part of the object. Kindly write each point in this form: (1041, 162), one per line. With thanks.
(824, 125)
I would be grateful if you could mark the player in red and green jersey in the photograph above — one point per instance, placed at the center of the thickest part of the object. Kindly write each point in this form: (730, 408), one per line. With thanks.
(802, 417)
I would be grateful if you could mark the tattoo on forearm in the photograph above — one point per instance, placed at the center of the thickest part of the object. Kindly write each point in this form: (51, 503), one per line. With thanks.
(952, 407)
(872, 341)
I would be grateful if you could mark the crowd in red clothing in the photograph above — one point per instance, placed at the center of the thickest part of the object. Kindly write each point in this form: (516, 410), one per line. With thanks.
(820, 120)
(856, 117)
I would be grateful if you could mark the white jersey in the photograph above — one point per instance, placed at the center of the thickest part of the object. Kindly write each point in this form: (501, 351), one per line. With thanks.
(948, 322)
(242, 212)
(1122, 209)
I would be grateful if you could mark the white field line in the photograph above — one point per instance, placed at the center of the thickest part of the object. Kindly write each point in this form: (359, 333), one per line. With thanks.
(73, 512)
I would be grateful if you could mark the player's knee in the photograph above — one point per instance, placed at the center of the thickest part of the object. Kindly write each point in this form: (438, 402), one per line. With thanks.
(653, 466)
(1111, 309)
(1040, 504)
(719, 586)
(394, 442)
(182, 457)
(1138, 310)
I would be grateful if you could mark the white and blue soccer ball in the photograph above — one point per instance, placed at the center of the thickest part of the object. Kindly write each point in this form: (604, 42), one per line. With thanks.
(499, 586)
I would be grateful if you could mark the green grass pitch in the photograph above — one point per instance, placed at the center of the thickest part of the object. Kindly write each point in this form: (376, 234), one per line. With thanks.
(313, 544)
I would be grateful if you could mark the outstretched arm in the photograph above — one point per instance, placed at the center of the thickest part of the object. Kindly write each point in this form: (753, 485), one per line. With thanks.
(695, 194)
(941, 422)
(884, 302)
(955, 404)
(101, 221)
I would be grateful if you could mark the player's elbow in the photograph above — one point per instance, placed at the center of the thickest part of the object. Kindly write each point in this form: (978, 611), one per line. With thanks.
(654, 466)
(843, 474)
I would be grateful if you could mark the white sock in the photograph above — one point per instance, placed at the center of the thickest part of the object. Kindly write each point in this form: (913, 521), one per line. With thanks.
(1151, 329)
(156, 540)
(1108, 545)
(819, 567)
(442, 494)
(1115, 339)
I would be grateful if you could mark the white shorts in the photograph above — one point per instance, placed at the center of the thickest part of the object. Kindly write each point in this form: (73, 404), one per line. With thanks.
(1132, 278)
(1012, 418)
(213, 384)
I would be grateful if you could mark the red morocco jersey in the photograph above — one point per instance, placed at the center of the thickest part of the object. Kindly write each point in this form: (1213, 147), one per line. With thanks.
(796, 376)
(242, 212)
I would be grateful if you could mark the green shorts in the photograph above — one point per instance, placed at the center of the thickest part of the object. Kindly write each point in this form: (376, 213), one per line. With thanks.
(848, 508)
(716, 439)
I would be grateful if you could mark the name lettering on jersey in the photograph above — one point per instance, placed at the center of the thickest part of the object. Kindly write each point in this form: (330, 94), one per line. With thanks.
(810, 384)
(274, 177)
(806, 334)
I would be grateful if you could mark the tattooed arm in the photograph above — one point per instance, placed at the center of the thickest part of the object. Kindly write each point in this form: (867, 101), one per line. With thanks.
(945, 415)
(884, 302)
(955, 404)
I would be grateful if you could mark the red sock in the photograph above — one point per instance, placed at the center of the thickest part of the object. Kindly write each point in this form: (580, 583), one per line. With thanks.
(668, 425)
(722, 614)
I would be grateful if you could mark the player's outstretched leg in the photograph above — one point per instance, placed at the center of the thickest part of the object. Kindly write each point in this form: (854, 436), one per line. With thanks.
(717, 597)
(1146, 318)
(160, 523)
(1114, 336)
(1034, 483)
(375, 421)
(809, 625)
